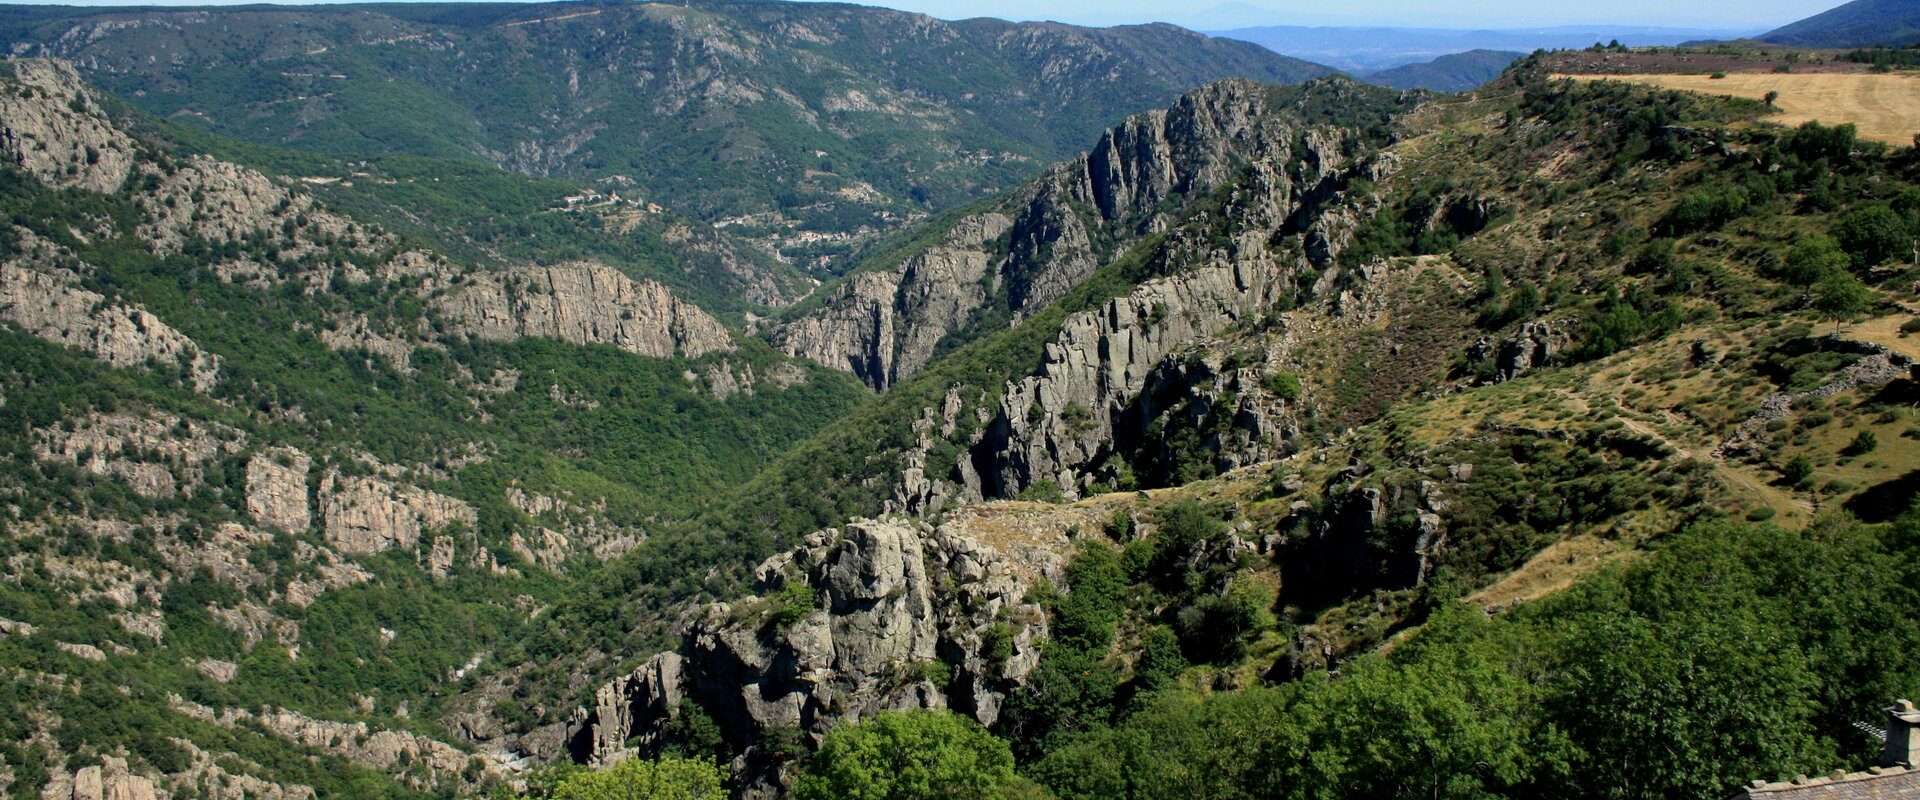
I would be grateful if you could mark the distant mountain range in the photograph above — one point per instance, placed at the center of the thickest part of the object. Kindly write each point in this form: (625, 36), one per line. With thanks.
(1365, 50)
(1862, 23)
(1450, 73)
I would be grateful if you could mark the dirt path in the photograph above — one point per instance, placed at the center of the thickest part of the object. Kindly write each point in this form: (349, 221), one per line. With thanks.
(1885, 107)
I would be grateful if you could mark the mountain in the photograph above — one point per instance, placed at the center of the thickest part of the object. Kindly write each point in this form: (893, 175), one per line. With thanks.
(278, 478)
(1450, 73)
(1405, 387)
(804, 125)
(1309, 441)
(1371, 49)
(1861, 23)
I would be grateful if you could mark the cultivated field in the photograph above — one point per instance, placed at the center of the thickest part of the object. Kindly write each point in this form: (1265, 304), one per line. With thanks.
(1885, 107)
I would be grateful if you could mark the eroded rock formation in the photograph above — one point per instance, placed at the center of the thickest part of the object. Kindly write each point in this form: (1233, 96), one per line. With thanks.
(875, 615)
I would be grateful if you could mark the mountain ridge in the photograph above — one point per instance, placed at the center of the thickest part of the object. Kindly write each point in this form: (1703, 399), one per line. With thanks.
(810, 127)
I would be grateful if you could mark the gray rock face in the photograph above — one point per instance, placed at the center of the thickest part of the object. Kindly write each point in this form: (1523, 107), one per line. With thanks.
(1119, 377)
(905, 616)
(42, 134)
(1535, 345)
(49, 305)
(277, 489)
(884, 326)
(368, 515)
(583, 304)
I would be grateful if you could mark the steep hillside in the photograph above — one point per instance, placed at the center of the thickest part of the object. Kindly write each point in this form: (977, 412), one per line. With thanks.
(1861, 23)
(810, 125)
(1550, 335)
(1457, 72)
(277, 481)
(1315, 441)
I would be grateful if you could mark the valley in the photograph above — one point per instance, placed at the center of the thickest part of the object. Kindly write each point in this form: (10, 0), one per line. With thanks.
(773, 400)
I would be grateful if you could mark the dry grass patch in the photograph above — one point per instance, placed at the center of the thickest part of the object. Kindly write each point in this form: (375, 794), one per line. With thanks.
(1885, 107)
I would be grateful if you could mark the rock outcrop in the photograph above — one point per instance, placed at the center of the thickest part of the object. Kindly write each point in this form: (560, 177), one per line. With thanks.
(369, 515)
(1119, 378)
(277, 489)
(111, 780)
(1533, 346)
(46, 131)
(583, 304)
(884, 326)
(155, 454)
(876, 615)
(49, 305)
(436, 763)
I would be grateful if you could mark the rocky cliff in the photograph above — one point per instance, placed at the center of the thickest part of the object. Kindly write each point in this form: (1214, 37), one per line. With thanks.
(263, 233)
(583, 304)
(1141, 178)
(1117, 381)
(877, 614)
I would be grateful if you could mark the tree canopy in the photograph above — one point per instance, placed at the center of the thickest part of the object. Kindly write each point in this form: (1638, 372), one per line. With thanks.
(910, 755)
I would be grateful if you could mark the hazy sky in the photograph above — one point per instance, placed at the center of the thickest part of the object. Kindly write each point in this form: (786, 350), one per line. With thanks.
(1221, 14)
(1435, 13)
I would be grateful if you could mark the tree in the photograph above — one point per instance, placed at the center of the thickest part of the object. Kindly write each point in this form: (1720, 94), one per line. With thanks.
(640, 779)
(1841, 297)
(1813, 259)
(1772, 97)
(910, 755)
(1873, 235)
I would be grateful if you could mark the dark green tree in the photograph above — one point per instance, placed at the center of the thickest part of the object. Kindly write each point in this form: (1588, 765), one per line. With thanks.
(930, 754)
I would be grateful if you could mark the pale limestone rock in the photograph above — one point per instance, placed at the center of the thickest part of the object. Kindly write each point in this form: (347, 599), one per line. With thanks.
(568, 528)
(277, 489)
(255, 623)
(47, 138)
(151, 623)
(583, 304)
(155, 454)
(86, 651)
(214, 782)
(883, 326)
(368, 515)
(894, 599)
(48, 305)
(222, 671)
(112, 781)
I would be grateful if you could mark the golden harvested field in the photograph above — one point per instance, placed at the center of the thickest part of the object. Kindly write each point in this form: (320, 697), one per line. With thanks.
(1885, 107)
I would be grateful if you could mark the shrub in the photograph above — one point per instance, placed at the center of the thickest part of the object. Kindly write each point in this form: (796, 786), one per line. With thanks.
(1862, 444)
(1284, 385)
(1797, 470)
(910, 755)
(639, 779)
(792, 603)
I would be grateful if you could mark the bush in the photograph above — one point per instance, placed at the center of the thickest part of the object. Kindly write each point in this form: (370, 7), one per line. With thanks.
(792, 603)
(1284, 385)
(910, 755)
(1813, 259)
(639, 779)
(1862, 444)
(1797, 470)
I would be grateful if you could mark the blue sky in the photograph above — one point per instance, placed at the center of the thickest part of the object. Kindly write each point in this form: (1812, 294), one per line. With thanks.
(1220, 14)
(1725, 14)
